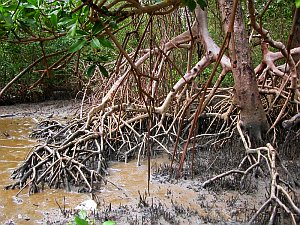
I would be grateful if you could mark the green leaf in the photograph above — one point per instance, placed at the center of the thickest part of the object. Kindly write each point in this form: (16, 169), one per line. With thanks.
(202, 4)
(39, 2)
(97, 28)
(24, 26)
(103, 71)
(3, 33)
(297, 3)
(90, 71)
(95, 43)
(33, 2)
(80, 221)
(77, 45)
(37, 15)
(11, 7)
(28, 6)
(53, 19)
(191, 4)
(85, 10)
(104, 9)
(81, 32)
(82, 214)
(109, 222)
(8, 20)
(103, 58)
(72, 30)
(67, 21)
(106, 43)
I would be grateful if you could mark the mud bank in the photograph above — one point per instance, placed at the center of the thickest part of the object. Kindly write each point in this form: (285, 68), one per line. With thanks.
(125, 199)
(59, 108)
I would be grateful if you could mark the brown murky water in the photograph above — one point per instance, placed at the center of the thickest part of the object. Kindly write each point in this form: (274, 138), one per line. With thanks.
(128, 180)
(24, 209)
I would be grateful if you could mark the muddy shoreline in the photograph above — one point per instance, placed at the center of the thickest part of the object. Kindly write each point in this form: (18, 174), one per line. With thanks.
(169, 201)
(57, 108)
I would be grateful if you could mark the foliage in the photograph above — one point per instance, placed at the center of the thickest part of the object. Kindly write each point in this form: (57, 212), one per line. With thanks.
(54, 26)
(28, 19)
(191, 4)
(16, 58)
(80, 26)
(82, 219)
(109, 222)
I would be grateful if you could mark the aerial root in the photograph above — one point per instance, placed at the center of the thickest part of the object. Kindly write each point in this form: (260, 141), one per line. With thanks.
(280, 192)
(278, 196)
(61, 163)
(74, 157)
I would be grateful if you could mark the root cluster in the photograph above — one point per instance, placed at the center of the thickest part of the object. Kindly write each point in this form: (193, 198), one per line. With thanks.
(69, 158)
(142, 108)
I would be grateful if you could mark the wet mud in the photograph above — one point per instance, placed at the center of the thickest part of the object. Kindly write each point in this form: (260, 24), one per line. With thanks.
(125, 198)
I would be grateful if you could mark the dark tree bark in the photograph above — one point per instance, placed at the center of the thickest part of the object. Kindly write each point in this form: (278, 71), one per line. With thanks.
(253, 117)
(296, 37)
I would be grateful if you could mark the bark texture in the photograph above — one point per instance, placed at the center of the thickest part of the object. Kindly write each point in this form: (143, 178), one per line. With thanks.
(296, 38)
(253, 117)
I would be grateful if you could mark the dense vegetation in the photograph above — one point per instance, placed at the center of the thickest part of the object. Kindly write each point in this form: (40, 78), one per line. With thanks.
(35, 86)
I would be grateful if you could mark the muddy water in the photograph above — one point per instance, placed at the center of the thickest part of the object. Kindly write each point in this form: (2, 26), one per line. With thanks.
(125, 181)
(14, 146)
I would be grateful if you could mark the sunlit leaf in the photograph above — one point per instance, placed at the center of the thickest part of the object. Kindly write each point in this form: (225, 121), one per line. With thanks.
(77, 45)
(105, 43)
(103, 71)
(95, 43)
(81, 32)
(39, 2)
(66, 21)
(82, 214)
(109, 222)
(80, 221)
(90, 71)
(297, 3)
(72, 30)
(86, 10)
(29, 6)
(11, 7)
(33, 2)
